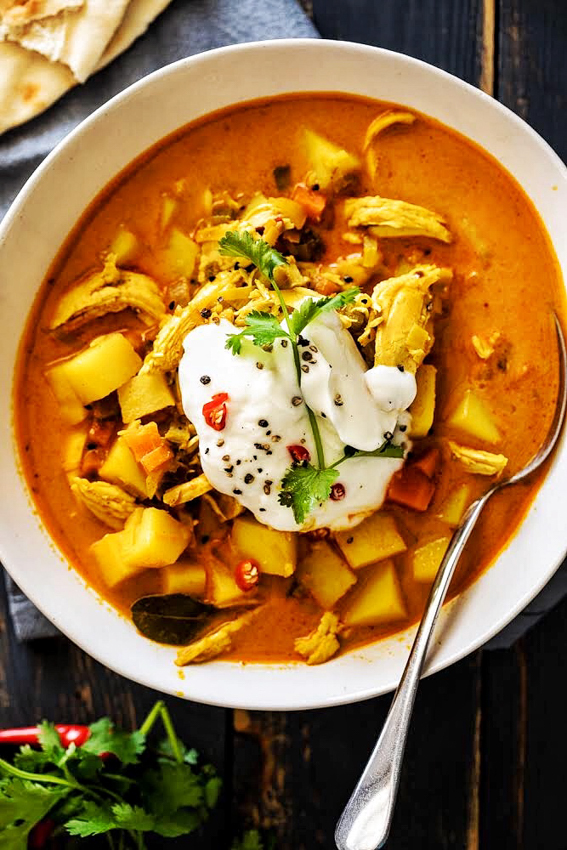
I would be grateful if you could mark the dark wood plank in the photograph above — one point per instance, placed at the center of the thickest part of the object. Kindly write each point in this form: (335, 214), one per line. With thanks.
(56, 680)
(503, 744)
(545, 741)
(532, 65)
(442, 32)
(294, 773)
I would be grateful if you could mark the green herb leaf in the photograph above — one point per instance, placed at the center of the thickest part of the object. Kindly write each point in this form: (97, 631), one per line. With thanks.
(105, 738)
(173, 618)
(132, 817)
(172, 787)
(258, 252)
(22, 805)
(304, 487)
(49, 740)
(92, 819)
(311, 308)
(387, 449)
(251, 840)
(261, 328)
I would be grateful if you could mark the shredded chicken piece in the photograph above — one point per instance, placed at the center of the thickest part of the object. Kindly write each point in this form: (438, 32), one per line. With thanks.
(225, 507)
(477, 461)
(404, 304)
(322, 643)
(382, 122)
(181, 432)
(168, 345)
(485, 347)
(187, 491)
(109, 291)
(108, 502)
(385, 120)
(388, 218)
(214, 643)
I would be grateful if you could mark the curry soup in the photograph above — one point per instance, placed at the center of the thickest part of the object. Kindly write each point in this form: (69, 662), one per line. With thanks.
(350, 192)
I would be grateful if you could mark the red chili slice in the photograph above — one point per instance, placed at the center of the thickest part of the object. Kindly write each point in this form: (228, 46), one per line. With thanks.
(338, 492)
(299, 454)
(214, 411)
(247, 574)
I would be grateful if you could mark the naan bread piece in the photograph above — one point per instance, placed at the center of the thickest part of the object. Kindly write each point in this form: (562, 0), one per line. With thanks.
(76, 35)
(30, 83)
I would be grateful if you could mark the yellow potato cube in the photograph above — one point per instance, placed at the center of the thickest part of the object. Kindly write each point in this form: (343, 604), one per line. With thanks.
(109, 552)
(453, 508)
(185, 577)
(426, 558)
(472, 417)
(373, 540)
(222, 589)
(275, 551)
(331, 165)
(144, 394)
(73, 446)
(71, 407)
(376, 599)
(181, 254)
(157, 539)
(423, 406)
(98, 370)
(121, 467)
(325, 574)
(125, 247)
(169, 207)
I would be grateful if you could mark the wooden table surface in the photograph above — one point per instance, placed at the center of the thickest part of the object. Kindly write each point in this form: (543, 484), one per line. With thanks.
(485, 764)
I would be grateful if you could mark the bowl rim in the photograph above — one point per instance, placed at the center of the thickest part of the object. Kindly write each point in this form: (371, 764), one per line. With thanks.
(208, 693)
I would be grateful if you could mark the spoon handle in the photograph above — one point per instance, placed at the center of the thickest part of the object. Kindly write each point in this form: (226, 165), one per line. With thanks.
(365, 822)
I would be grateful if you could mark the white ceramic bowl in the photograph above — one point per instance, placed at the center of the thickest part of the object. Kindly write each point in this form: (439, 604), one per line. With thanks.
(44, 213)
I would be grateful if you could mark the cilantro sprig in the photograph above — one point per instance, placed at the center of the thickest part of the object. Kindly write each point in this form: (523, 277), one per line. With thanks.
(124, 796)
(304, 486)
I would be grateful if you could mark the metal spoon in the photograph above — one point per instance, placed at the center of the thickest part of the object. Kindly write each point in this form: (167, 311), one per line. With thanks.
(366, 820)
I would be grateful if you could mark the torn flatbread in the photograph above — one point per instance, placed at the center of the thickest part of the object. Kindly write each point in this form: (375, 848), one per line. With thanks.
(30, 83)
(76, 36)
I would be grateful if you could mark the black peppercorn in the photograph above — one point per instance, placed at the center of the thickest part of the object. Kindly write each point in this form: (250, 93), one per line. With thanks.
(205, 379)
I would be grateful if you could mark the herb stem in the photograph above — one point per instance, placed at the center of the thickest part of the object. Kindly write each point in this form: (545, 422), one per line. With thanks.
(48, 778)
(150, 720)
(171, 736)
(317, 438)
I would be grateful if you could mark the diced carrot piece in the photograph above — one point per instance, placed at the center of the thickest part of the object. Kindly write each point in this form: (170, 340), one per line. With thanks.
(411, 488)
(143, 440)
(312, 202)
(428, 462)
(325, 287)
(156, 458)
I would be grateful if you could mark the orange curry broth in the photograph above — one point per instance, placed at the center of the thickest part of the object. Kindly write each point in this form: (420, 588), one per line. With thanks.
(506, 280)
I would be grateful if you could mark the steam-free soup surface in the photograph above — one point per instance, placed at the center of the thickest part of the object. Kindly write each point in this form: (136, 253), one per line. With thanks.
(504, 288)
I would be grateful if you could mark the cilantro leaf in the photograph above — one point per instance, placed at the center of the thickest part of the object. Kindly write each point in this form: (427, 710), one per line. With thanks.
(262, 255)
(387, 449)
(304, 487)
(261, 328)
(251, 840)
(22, 805)
(48, 737)
(132, 817)
(311, 308)
(92, 819)
(105, 738)
(171, 787)
(178, 823)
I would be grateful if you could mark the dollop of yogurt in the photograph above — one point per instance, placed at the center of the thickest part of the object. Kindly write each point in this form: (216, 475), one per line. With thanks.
(266, 414)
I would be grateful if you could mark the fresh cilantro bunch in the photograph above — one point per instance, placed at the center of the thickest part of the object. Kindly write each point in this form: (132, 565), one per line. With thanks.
(304, 486)
(112, 784)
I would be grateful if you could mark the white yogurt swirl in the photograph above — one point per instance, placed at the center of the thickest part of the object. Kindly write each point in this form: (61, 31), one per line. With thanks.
(266, 413)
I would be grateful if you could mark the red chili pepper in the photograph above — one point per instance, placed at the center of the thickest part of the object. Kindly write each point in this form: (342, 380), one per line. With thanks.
(338, 492)
(247, 574)
(214, 411)
(299, 454)
(68, 734)
(40, 833)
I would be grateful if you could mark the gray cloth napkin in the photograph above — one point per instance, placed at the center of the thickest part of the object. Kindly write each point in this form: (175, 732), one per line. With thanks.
(185, 28)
